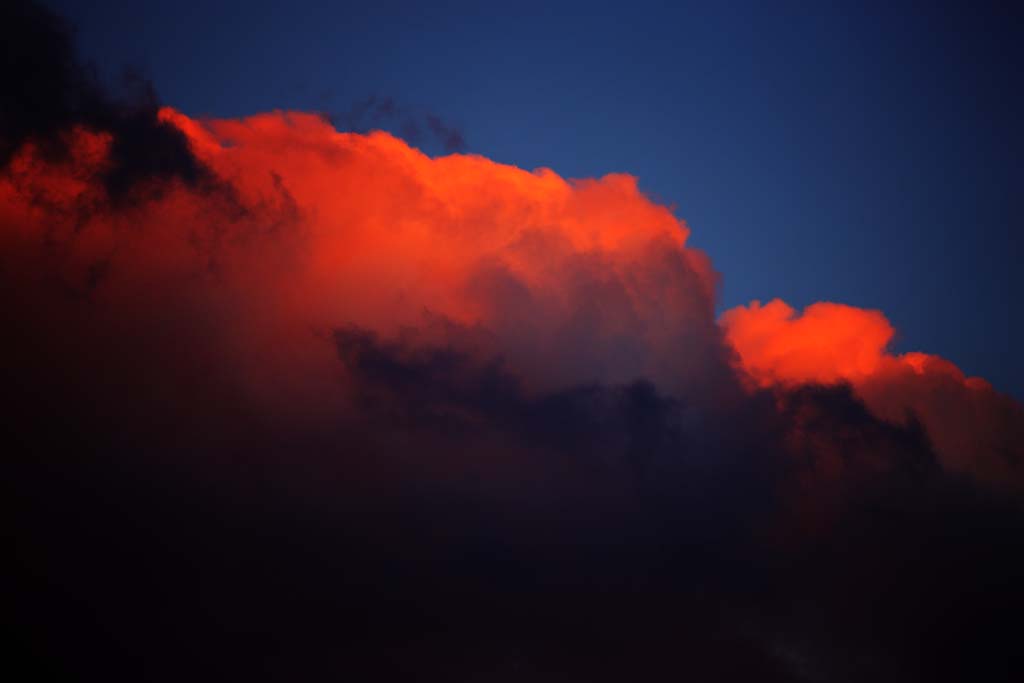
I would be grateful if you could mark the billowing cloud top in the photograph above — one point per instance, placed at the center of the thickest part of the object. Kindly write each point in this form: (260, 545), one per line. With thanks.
(974, 428)
(302, 230)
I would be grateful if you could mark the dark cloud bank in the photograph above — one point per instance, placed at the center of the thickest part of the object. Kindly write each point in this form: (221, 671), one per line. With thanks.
(450, 520)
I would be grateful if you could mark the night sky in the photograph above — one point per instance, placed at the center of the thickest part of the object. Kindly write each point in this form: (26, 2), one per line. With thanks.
(864, 153)
(555, 342)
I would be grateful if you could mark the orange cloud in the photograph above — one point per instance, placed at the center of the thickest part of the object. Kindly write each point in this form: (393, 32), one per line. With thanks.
(306, 230)
(827, 343)
(973, 427)
(238, 283)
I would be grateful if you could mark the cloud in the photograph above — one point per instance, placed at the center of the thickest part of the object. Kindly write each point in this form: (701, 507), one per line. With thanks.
(374, 113)
(974, 428)
(50, 92)
(287, 401)
(314, 230)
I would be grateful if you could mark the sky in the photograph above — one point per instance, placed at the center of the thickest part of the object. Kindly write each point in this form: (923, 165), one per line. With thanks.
(865, 154)
(558, 343)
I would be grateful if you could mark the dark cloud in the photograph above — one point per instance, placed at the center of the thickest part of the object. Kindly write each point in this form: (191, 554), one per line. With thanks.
(592, 533)
(48, 91)
(374, 112)
(820, 542)
(449, 136)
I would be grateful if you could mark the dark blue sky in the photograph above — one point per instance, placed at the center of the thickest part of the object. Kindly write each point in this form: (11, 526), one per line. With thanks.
(871, 156)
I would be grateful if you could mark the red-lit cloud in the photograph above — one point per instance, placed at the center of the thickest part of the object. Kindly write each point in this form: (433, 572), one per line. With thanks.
(579, 281)
(974, 428)
(306, 230)
(241, 282)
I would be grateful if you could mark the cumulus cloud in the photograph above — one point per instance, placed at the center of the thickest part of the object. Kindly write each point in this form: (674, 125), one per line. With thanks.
(975, 429)
(287, 400)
